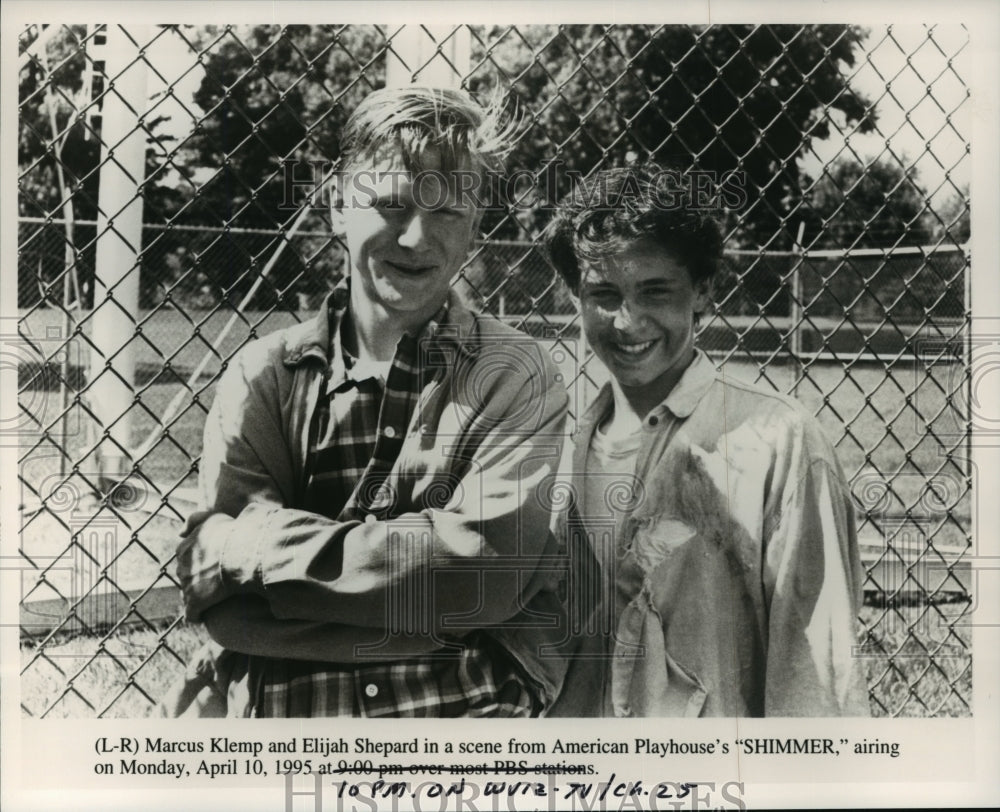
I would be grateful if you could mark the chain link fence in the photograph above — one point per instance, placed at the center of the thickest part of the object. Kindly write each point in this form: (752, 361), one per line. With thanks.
(840, 153)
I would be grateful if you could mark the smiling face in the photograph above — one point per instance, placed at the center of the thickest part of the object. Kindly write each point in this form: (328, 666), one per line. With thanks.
(407, 234)
(638, 309)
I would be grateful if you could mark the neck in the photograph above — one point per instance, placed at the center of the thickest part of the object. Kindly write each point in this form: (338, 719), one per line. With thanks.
(375, 331)
(634, 403)
(627, 413)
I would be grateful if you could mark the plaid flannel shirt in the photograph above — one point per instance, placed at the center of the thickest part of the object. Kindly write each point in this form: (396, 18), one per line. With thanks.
(355, 437)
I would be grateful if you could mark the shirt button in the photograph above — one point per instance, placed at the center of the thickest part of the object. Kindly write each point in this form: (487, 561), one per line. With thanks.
(654, 420)
(389, 432)
(371, 690)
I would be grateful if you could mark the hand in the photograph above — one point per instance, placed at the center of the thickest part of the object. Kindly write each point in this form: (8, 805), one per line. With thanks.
(199, 562)
(199, 691)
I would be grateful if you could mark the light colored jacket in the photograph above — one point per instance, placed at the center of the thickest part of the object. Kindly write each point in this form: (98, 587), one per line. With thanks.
(738, 580)
(484, 443)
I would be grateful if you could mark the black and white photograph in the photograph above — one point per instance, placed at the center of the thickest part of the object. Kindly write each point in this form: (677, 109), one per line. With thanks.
(623, 374)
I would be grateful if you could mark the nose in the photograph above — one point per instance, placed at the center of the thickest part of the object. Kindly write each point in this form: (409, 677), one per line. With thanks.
(414, 233)
(626, 316)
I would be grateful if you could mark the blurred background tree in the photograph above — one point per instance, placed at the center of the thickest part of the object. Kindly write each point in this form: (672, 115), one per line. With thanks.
(734, 98)
(59, 150)
(880, 204)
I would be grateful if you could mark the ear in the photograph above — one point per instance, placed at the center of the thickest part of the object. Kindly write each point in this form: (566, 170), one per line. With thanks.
(477, 220)
(336, 197)
(704, 294)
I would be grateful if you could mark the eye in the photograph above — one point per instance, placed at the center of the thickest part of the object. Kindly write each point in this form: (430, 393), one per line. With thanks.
(449, 211)
(657, 289)
(389, 204)
(602, 296)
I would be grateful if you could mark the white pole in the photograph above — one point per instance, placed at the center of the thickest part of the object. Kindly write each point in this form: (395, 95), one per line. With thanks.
(71, 282)
(178, 400)
(414, 58)
(119, 241)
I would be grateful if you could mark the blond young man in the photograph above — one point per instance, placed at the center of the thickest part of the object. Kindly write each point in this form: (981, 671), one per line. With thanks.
(371, 535)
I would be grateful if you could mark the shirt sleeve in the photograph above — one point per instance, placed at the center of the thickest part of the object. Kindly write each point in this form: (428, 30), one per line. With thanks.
(466, 565)
(812, 580)
(245, 623)
(245, 468)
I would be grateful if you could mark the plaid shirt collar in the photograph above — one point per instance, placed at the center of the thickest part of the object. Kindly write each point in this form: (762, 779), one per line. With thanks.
(342, 361)
(312, 340)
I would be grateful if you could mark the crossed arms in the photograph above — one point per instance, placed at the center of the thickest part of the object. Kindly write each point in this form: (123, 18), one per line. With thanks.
(271, 579)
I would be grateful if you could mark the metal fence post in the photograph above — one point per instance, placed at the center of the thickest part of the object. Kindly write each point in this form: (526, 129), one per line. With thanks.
(119, 246)
(795, 311)
(967, 356)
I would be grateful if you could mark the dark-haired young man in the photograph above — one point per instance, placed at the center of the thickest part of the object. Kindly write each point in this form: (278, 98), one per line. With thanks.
(731, 570)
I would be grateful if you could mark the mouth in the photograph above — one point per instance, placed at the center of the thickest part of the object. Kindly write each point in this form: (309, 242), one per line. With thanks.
(408, 269)
(634, 349)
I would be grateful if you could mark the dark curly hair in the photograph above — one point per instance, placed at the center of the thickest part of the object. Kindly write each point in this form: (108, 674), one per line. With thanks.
(617, 207)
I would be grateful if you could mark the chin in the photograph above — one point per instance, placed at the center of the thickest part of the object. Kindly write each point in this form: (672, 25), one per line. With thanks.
(395, 293)
(636, 383)
(631, 378)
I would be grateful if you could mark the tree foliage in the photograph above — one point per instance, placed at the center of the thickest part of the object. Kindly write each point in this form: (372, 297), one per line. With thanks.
(272, 96)
(954, 225)
(274, 102)
(879, 204)
(875, 205)
(56, 91)
(723, 99)
(60, 129)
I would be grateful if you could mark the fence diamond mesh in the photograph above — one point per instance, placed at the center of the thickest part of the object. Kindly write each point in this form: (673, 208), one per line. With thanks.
(841, 155)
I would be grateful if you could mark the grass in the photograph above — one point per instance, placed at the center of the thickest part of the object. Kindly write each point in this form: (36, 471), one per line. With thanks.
(123, 675)
(896, 430)
(919, 660)
(118, 677)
